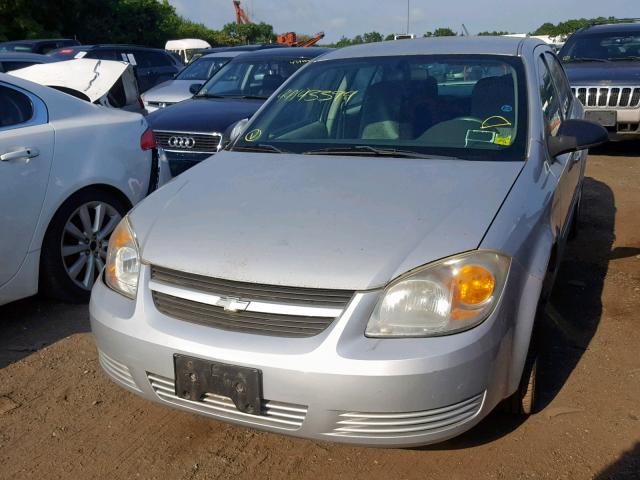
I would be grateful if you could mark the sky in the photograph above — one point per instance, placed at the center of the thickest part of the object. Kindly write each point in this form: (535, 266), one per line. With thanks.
(351, 17)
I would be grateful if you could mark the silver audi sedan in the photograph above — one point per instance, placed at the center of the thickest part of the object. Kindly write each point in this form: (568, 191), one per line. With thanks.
(365, 261)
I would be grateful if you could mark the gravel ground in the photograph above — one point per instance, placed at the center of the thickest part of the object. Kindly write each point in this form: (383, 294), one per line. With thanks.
(61, 418)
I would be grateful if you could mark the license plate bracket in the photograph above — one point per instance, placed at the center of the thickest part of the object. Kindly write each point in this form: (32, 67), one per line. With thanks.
(196, 377)
(606, 118)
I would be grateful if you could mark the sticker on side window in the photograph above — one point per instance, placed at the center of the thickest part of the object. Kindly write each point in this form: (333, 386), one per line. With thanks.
(80, 54)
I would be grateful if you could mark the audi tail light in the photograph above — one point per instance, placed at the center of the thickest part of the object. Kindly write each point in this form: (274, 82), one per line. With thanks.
(148, 140)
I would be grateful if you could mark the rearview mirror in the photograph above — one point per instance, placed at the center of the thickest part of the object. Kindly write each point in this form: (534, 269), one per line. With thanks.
(195, 88)
(577, 135)
(233, 132)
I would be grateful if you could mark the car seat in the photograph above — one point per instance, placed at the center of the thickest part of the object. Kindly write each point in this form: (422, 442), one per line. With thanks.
(384, 113)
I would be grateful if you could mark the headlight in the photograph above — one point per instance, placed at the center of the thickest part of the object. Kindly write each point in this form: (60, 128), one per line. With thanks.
(449, 296)
(123, 260)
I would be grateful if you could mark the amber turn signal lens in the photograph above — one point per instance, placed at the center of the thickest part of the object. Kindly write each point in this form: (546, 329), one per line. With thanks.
(474, 285)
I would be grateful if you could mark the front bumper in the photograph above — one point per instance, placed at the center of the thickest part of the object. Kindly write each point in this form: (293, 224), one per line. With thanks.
(337, 386)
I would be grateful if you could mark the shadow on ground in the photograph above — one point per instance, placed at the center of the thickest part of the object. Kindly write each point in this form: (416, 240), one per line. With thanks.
(618, 149)
(626, 468)
(573, 315)
(28, 325)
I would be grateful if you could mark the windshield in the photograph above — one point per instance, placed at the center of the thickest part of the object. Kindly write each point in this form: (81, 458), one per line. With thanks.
(617, 46)
(463, 106)
(256, 78)
(203, 68)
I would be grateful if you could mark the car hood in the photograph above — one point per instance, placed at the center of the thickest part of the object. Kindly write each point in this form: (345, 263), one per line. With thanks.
(92, 78)
(203, 114)
(171, 91)
(600, 73)
(319, 221)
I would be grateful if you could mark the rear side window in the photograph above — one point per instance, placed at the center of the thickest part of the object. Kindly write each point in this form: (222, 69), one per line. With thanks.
(560, 79)
(549, 98)
(151, 59)
(15, 106)
(103, 54)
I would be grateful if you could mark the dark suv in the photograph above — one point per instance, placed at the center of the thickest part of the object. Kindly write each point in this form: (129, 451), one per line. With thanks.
(603, 66)
(152, 65)
(41, 46)
(192, 130)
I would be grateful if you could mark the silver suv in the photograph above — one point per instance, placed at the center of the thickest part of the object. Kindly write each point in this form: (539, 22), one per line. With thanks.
(365, 262)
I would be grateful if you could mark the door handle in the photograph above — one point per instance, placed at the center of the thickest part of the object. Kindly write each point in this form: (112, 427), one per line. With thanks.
(20, 153)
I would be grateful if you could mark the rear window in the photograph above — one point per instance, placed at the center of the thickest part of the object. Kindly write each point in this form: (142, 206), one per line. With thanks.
(464, 106)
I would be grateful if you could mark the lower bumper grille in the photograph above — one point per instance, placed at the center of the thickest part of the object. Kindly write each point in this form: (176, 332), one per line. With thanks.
(247, 322)
(116, 370)
(280, 415)
(409, 424)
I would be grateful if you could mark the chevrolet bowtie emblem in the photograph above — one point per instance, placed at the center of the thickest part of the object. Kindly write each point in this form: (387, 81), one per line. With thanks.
(232, 304)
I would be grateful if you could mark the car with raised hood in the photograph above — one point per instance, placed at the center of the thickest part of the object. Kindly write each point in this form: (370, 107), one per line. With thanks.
(603, 66)
(367, 261)
(64, 186)
(192, 130)
(103, 82)
(151, 65)
(188, 81)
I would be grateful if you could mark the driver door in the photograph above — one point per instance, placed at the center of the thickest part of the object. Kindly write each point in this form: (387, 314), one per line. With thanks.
(26, 151)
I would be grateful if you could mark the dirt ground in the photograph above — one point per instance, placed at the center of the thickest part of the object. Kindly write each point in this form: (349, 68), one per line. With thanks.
(61, 418)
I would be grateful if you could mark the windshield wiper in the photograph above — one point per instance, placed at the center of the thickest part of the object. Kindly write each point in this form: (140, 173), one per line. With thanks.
(248, 97)
(207, 95)
(261, 147)
(587, 59)
(373, 151)
(624, 59)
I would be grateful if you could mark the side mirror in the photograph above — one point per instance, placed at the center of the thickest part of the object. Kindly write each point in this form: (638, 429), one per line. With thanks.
(577, 135)
(233, 132)
(195, 88)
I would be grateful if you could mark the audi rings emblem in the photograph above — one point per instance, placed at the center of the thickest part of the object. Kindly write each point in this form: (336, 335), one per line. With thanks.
(182, 142)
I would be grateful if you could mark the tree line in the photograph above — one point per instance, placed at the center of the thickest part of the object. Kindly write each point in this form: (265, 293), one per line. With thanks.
(153, 22)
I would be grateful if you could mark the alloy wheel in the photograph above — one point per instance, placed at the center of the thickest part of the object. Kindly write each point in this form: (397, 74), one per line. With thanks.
(85, 240)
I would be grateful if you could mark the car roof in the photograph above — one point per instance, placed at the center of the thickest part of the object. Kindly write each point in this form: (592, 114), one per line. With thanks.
(610, 28)
(228, 54)
(287, 52)
(33, 41)
(437, 46)
(36, 57)
(112, 45)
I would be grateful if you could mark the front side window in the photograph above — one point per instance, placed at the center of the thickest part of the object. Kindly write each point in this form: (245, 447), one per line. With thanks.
(203, 68)
(550, 100)
(561, 82)
(464, 106)
(15, 106)
(257, 78)
(603, 47)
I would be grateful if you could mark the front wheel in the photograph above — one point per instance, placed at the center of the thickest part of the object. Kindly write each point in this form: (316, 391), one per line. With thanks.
(523, 401)
(74, 250)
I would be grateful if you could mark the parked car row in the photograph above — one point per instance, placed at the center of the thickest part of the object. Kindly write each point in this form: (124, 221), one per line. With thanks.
(356, 244)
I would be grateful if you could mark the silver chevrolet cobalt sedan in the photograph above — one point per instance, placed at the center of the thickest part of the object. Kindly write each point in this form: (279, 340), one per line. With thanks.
(365, 261)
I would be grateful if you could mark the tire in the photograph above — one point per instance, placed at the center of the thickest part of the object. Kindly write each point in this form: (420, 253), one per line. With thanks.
(74, 248)
(523, 401)
(574, 230)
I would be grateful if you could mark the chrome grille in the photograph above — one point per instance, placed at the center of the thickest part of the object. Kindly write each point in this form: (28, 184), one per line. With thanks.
(608, 97)
(202, 142)
(253, 291)
(118, 371)
(249, 322)
(408, 424)
(280, 415)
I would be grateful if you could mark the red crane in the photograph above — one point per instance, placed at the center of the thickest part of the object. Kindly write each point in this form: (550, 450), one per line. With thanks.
(289, 38)
(241, 16)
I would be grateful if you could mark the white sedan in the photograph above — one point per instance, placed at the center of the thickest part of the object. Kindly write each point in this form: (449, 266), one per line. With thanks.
(69, 171)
